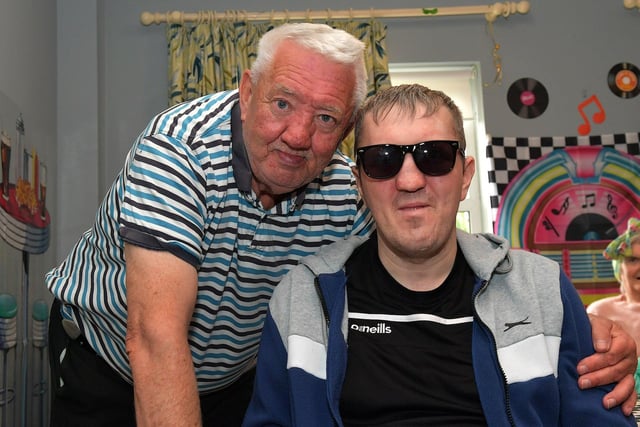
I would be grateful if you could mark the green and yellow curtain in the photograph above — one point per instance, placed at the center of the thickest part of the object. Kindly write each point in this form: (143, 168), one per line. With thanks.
(211, 56)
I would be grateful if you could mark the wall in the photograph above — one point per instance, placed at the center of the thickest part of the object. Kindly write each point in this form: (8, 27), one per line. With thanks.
(78, 117)
(28, 78)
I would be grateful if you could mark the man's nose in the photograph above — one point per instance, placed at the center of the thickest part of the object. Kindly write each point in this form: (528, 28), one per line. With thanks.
(298, 132)
(409, 178)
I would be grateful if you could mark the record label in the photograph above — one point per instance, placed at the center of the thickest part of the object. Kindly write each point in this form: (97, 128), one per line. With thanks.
(623, 80)
(527, 98)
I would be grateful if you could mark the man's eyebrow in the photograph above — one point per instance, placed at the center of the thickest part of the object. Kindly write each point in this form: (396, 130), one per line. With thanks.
(281, 89)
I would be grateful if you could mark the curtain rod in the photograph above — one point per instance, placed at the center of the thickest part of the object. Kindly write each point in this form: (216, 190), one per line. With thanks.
(490, 12)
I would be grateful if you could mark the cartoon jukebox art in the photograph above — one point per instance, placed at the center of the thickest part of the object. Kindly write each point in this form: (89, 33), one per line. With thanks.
(568, 205)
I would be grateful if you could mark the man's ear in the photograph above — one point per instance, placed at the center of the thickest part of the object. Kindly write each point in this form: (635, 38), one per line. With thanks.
(468, 170)
(245, 91)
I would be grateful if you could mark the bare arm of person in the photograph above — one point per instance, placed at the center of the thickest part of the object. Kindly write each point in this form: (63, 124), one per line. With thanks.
(615, 360)
(161, 295)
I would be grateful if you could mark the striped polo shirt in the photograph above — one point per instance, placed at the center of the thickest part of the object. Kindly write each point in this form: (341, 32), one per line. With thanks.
(186, 188)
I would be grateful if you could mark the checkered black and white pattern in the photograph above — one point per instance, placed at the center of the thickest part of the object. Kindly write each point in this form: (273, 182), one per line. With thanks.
(507, 156)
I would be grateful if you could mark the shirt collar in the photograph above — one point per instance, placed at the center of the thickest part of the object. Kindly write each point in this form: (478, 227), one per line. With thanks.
(239, 159)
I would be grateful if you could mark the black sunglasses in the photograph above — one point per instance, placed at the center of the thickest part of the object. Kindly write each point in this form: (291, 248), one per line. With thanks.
(433, 158)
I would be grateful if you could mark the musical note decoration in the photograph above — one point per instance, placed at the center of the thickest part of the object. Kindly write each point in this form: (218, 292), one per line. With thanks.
(598, 117)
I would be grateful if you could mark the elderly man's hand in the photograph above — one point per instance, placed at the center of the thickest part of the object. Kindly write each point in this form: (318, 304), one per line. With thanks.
(615, 360)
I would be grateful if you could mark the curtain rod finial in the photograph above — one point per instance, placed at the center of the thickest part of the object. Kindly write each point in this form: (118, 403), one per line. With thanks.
(523, 7)
(146, 18)
(507, 8)
(630, 4)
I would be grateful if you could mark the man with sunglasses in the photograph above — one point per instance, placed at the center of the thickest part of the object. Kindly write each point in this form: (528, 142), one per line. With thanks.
(423, 324)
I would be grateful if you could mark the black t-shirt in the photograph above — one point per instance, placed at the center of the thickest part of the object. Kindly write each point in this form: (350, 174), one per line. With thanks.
(409, 356)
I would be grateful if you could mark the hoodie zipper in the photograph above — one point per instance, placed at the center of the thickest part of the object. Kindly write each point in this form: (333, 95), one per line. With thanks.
(507, 397)
(323, 302)
(337, 421)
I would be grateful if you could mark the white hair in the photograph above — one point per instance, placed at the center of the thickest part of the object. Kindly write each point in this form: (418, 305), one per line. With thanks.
(335, 44)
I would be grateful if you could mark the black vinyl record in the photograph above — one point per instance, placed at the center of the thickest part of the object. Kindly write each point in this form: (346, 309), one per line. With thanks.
(527, 98)
(623, 80)
(590, 226)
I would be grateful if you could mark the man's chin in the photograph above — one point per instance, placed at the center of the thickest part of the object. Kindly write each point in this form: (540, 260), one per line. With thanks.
(284, 182)
(285, 187)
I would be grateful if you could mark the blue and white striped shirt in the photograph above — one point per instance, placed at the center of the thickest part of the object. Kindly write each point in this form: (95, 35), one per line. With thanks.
(185, 188)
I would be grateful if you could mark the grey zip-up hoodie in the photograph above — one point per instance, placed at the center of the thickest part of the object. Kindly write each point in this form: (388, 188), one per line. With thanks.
(525, 375)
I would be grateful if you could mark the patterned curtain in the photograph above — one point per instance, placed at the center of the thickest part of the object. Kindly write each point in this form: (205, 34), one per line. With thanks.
(210, 57)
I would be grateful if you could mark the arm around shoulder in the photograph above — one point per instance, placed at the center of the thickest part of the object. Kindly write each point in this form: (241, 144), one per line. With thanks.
(580, 407)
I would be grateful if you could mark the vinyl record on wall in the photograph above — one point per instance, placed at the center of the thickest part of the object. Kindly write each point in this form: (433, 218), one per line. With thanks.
(527, 98)
(623, 80)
